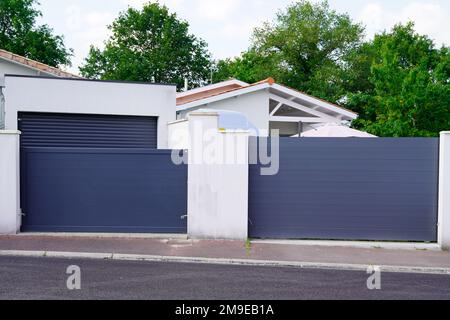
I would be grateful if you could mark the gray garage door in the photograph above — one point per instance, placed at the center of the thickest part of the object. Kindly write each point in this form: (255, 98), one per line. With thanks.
(102, 190)
(87, 131)
(95, 173)
(350, 189)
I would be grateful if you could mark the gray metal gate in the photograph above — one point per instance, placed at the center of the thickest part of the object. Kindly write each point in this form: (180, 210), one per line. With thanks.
(98, 173)
(348, 189)
(102, 190)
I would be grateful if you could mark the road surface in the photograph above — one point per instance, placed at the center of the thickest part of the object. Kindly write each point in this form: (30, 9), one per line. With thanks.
(46, 278)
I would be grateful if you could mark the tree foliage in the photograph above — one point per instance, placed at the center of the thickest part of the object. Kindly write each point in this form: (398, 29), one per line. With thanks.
(20, 34)
(309, 47)
(409, 92)
(150, 45)
(250, 67)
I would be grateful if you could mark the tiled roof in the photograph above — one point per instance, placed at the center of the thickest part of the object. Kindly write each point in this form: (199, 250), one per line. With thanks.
(218, 91)
(36, 65)
(207, 93)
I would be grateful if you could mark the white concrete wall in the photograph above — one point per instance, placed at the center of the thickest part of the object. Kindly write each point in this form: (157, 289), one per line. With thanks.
(90, 97)
(255, 106)
(444, 191)
(10, 215)
(178, 133)
(2, 109)
(217, 191)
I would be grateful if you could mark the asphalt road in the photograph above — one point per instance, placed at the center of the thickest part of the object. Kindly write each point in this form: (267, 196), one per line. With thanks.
(45, 278)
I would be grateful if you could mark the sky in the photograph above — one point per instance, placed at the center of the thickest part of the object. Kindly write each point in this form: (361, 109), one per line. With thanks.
(226, 25)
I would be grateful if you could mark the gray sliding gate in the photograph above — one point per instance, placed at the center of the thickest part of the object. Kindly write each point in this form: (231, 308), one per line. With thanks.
(102, 190)
(98, 173)
(348, 189)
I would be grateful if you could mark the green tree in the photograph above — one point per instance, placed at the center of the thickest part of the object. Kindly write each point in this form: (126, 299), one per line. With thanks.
(249, 67)
(409, 92)
(309, 47)
(150, 45)
(20, 34)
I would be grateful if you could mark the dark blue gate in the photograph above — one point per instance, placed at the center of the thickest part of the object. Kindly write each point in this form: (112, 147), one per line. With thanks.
(102, 190)
(348, 189)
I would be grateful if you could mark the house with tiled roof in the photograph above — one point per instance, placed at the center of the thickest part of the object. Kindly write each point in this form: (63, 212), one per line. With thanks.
(14, 64)
(11, 63)
(266, 104)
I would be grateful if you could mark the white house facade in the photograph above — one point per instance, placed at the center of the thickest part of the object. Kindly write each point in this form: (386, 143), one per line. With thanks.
(266, 104)
(87, 97)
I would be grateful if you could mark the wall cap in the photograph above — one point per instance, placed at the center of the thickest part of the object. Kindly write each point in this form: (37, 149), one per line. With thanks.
(199, 114)
(224, 131)
(177, 121)
(445, 132)
(10, 132)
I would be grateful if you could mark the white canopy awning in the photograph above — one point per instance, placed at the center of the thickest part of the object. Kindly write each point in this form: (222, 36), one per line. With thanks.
(337, 131)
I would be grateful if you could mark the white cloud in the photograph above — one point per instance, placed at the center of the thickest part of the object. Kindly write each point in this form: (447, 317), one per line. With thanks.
(373, 17)
(173, 4)
(86, 29)
(236, 33)
(216, 10)
(430, 18)
(238, 30)
(134, 3)
(73, 18)
(226, 25)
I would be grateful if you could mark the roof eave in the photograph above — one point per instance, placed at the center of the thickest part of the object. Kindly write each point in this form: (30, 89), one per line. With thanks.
(211, 87)
(319, 102)
(58, 73)
(28, 67)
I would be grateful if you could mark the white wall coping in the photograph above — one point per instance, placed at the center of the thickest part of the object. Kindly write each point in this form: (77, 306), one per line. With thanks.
(200, 114)
(177, 121)
(10, 132)
(224, 131)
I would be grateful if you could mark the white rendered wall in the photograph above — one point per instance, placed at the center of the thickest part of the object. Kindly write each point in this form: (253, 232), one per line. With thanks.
(178, 133)
(90, 97)
(217, 192)
(10, 217)
(255, 106)
(444, 191)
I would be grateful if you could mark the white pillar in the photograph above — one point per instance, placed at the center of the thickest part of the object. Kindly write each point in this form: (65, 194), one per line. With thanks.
(217, 180)
(10, 216)
(444, 191)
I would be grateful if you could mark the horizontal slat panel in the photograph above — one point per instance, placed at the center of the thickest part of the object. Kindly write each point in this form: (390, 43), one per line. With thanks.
(103, 190)
(351, 189)
(93, 131)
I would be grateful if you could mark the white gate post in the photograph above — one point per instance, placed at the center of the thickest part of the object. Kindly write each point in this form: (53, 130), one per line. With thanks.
(10, 217)
(444, 191)
(217, 179)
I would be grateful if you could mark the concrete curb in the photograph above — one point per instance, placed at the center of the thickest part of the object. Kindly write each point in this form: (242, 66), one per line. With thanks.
(236, 262)
(356, 244)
